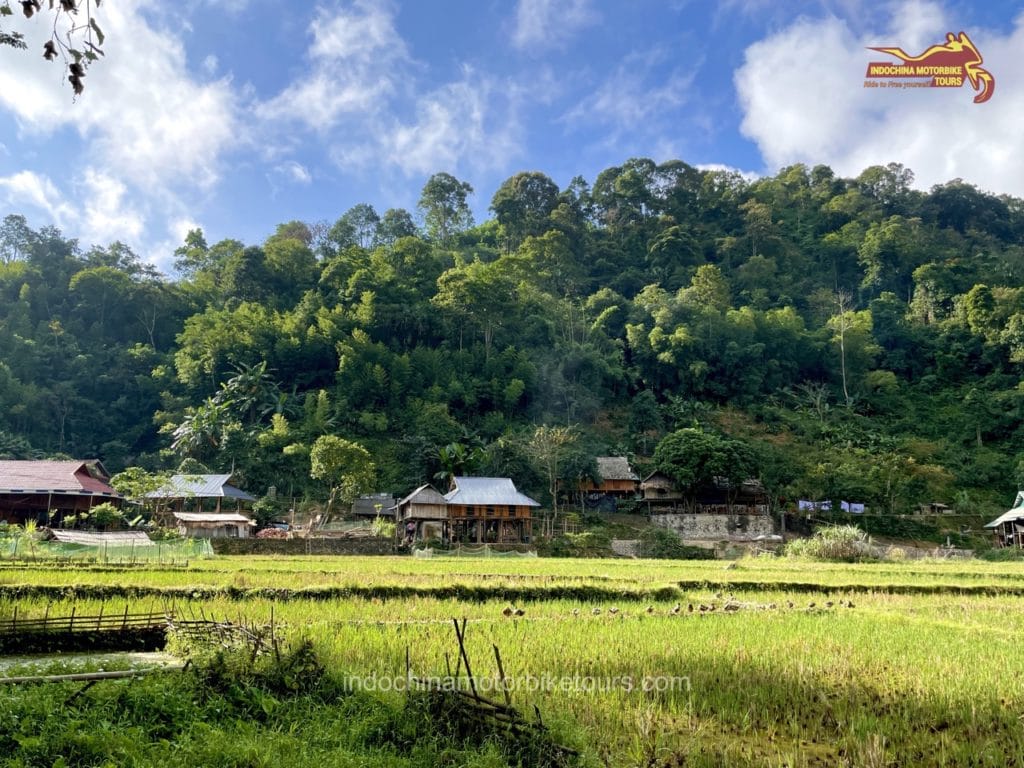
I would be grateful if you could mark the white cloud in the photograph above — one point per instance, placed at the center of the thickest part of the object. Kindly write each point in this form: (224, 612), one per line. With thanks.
(802, 95)
(747, 175)
(355, 58)
(28, 188)
(363, 97)
(179, 228)
(98, 211)
(295, 172)
(150, 135)
(637, 100)
(543, 24)
(455, 125)
(106, 214)
(145, 118)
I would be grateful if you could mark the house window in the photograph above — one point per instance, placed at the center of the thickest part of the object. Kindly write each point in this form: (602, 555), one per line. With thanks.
(490, 511)
(470, 511)
(232, 531)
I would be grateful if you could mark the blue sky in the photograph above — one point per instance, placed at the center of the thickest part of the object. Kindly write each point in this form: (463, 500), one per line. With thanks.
(237, 115)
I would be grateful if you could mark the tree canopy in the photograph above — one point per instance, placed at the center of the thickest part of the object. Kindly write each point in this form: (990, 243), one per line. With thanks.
(844, 338)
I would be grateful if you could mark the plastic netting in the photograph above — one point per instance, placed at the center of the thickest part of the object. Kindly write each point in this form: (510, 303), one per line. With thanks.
(173, 551)
(484, 550)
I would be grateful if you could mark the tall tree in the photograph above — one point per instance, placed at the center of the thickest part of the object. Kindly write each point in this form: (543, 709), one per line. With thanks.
(523, 205)
(395, 224)
(444, 207)
(549, 446)
(345, 466)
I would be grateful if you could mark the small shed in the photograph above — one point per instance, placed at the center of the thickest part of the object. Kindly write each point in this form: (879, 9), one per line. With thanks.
(658, 488)
(423, 514)
(212, 525)
(373, 505)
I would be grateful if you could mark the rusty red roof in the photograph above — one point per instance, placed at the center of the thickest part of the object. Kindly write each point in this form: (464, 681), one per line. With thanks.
(72, 477)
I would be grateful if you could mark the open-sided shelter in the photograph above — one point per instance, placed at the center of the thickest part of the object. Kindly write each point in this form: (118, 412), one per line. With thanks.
(201, 493)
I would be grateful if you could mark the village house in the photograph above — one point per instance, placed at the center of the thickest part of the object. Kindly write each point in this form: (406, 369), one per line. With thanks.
(718, 511)
(476, 510)
(1009, 526)
(618, 481)
(423, 514)
(48, 491)
(659, 492)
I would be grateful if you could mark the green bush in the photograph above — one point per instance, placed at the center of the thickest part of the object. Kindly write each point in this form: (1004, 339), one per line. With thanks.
(383, 527)
(844, 543)
(659, 543)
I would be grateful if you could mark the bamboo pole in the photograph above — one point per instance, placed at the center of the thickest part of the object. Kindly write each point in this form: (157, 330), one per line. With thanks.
(114, 675)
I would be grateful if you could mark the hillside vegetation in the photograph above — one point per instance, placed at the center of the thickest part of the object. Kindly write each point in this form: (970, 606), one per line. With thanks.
(856, 338)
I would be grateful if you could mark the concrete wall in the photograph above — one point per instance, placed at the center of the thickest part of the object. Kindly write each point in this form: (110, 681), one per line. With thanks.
(716, 527)
(303, 546)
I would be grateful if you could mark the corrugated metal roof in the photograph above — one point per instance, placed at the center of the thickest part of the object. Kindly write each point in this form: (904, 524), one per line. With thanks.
(200, 487)
(1017, 513)
(1006, 517)
(487, 491)
(615, 468)
(94, 538)
(67, 477)
(212, 517)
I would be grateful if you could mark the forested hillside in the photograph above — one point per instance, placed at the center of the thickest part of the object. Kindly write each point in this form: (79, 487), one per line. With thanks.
(863, 339)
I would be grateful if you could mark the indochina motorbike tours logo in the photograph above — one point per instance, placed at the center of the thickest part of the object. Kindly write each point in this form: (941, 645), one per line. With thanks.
(947, 65)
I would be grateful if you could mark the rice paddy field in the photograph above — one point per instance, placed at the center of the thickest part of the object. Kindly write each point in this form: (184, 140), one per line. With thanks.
(762, 662)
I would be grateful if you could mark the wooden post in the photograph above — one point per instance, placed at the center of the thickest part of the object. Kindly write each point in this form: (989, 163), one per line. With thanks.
(501, 674)
(461, 635)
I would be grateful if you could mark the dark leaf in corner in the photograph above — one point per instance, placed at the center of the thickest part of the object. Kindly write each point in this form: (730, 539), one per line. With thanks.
(49, 50)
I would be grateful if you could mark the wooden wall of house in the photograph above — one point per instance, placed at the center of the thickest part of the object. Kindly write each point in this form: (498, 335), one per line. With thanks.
(610, 486)
(482, 512)
(424, 511)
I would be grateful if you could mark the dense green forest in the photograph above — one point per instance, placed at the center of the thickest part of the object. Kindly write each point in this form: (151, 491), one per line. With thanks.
(857, 338)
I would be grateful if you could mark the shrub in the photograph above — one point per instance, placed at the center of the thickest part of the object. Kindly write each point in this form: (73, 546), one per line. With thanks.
(662, 544)
(845, 543)
(383, 527)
